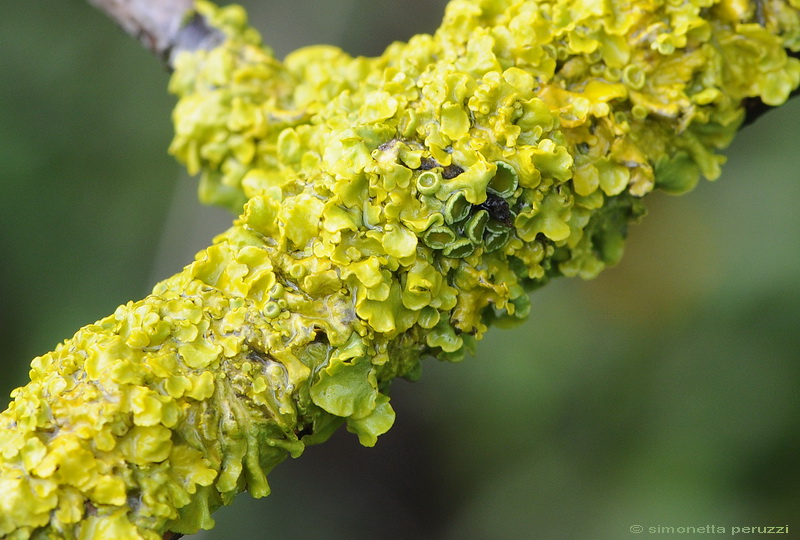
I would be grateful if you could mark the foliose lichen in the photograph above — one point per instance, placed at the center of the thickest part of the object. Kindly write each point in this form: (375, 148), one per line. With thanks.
(390, 208)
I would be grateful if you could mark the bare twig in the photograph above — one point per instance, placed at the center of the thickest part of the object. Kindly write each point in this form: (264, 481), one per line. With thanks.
(164, 27)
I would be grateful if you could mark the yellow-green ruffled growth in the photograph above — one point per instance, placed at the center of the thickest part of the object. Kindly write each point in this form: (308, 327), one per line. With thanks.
(390, 208)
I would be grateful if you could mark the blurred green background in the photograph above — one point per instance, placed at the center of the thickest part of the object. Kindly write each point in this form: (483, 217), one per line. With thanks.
(663, 393)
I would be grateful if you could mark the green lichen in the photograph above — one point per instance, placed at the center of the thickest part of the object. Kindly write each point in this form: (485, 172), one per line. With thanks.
(390, 208)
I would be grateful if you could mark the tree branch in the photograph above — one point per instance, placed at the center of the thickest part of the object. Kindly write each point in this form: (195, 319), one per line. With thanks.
(163, 27)
(390, 209)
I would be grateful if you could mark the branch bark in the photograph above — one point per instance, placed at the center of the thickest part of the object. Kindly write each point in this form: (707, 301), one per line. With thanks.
(163, 27)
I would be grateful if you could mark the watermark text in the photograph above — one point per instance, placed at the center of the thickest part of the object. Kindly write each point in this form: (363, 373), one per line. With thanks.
(727, 530)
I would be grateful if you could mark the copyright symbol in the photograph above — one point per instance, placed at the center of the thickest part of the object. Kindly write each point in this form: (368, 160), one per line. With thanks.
(637, 529)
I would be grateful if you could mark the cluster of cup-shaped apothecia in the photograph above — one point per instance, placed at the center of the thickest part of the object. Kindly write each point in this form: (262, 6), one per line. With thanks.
(469, 226)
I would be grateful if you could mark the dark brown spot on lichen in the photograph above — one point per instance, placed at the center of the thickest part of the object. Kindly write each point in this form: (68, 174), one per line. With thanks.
(451, 171)
(498, 209)
(426, 164)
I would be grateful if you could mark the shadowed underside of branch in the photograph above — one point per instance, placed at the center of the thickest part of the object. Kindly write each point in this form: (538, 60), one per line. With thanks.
(389, 208)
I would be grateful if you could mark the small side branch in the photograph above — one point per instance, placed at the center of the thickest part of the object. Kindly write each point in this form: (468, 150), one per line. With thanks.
(164, 27)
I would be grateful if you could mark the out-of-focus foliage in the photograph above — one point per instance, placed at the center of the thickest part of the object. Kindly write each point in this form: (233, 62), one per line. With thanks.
(660, 393)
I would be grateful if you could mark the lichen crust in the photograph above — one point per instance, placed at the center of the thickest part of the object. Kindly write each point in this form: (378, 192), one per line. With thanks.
(389, 208)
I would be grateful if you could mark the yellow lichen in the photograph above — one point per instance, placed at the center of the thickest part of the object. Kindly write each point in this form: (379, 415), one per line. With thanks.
(391, 208)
